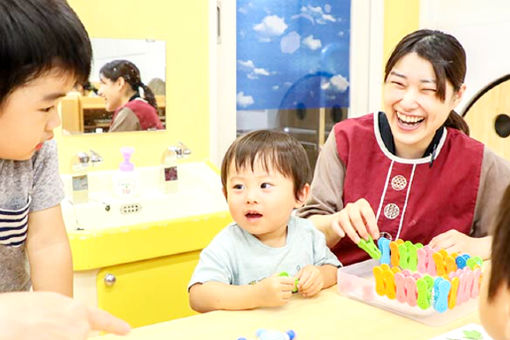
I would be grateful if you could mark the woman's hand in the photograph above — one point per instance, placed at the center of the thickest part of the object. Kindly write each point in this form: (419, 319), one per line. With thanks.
(356, 220)
(310, 280)
(453, 241)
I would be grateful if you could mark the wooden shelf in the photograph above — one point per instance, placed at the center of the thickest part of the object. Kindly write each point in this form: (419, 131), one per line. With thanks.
(79, 114)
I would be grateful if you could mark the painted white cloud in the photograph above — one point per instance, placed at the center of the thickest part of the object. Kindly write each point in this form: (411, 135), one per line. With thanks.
(247, 64)
(304, 16)
(316, 15)
(312, 43)
(244, 101)
(339, 83)
(246, 8)
(275, 87)
(260, 71)
(270, 27)
(252, 71)
(328, 17)
(290, 43)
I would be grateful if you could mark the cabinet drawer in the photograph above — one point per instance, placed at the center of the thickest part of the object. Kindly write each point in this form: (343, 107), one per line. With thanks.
(147, 292)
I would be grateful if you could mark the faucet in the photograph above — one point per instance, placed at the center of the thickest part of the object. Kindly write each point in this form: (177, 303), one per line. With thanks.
(80, 161)
(95, 158)
(83, 159)
(181, 150)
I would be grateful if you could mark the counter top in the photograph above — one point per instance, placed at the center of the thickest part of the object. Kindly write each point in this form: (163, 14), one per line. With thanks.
(326, 316)
(93, 249)
(102, 233)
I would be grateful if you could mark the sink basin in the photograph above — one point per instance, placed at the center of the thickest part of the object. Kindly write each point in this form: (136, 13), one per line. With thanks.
(198, 192)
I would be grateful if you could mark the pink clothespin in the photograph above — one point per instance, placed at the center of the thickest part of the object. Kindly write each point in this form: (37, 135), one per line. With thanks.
(411, 291)
(475, 289)
(400, 287)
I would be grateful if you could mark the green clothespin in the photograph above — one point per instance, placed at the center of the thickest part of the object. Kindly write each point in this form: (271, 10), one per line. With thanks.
(370, 247)
(295, 282)
(473, 261)
(424, 288)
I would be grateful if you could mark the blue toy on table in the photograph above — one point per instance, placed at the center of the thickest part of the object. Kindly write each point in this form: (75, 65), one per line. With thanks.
(265, 334)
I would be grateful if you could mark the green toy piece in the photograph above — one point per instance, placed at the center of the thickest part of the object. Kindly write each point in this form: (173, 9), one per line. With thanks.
(424, 289)
(370, 247)
(473, 261)
(295, 282)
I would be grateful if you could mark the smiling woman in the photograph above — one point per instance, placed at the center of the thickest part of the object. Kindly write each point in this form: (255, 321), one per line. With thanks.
(132, 101)
(411, 172)
(83, 111)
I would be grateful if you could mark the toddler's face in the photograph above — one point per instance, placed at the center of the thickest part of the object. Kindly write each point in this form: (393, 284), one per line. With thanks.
(495, 315)
(29, 114)
(261, 201)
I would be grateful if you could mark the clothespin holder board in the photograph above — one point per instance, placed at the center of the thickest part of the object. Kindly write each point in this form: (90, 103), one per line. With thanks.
(416, 282)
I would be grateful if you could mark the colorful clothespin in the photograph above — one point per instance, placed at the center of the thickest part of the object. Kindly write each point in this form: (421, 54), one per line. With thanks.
(395, 256)
(295, 289)
(474, 261)
(441, 290)
(384, 247)
(460, 260)
(411, 293)
(370, 247)
(424, 287)
(452, 296)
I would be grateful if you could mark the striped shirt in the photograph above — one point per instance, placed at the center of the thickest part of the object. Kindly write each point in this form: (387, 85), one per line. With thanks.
(14, 225)
(25, 186)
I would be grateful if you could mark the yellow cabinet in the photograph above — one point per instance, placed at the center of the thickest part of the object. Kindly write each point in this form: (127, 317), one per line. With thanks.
(140, 273)
(149, 291)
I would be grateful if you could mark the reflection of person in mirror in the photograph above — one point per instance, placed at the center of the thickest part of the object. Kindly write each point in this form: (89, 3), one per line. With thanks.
(132, 102)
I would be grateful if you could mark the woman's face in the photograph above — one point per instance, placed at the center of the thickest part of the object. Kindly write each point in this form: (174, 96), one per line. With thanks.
(414, 111)
(111, 91)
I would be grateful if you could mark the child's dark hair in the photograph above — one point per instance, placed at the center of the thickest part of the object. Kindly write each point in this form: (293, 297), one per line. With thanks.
(39, 36)
(127, 70)
(274, 149)
(500, 258)
(448, 60)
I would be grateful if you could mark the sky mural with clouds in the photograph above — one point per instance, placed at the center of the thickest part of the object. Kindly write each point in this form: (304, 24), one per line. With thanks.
(292, 54)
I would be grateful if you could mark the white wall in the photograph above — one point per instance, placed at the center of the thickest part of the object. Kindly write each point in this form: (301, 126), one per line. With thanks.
(483, 28)
(148, 55)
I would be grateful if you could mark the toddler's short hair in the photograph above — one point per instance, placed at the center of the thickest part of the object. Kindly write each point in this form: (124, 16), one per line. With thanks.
(274, 149)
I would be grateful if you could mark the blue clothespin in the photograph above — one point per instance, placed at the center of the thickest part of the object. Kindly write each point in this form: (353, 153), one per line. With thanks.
(441, 290)
(384, 247)
(461, 260)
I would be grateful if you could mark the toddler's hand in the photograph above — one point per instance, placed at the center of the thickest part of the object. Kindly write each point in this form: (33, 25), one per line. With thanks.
(310, 280)
(275, 290)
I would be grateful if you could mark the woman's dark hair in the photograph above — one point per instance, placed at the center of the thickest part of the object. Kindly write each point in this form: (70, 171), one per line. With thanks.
(39, 36)
(447, 57)
(274, 149)
(500, 257)
(127, 70)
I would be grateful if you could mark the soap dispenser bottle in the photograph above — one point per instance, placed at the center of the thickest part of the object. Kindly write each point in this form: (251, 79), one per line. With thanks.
(168, 173)
(79, 178)
(125, 180)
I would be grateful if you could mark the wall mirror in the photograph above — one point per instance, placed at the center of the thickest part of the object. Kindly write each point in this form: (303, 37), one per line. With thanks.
(84, 111)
